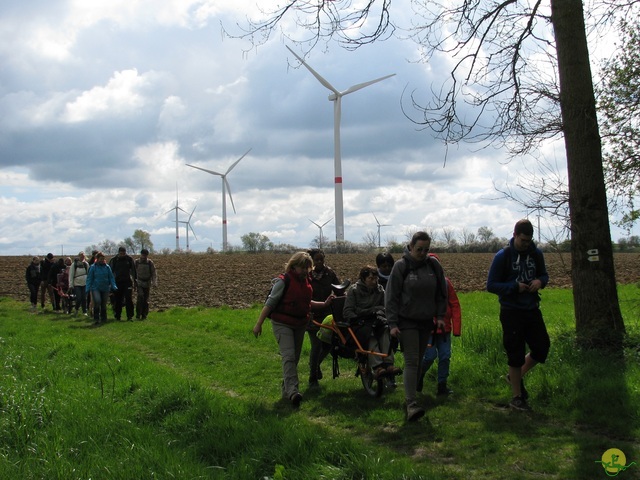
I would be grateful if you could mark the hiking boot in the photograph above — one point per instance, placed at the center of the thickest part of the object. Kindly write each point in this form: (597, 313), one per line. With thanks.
(519, 403)
(414, 412)
(296, 398)
(380, 372)
(523, 391)
(443, 389)
(393, 370)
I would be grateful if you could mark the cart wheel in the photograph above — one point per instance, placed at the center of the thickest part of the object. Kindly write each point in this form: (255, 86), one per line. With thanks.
(372, 386)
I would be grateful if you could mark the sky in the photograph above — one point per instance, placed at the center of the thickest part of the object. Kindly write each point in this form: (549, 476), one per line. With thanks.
(103, 103)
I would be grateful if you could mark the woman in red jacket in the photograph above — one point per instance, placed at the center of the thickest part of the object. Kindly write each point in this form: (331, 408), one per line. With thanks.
(288, 306)
(440, 346)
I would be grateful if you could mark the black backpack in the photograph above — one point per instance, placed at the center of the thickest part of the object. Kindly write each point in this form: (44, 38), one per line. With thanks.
(441, 289)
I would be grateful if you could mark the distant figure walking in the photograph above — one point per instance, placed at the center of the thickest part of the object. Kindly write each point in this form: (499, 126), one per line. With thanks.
(100, 282)
(33, 282)
(124, 270)
(146, 277)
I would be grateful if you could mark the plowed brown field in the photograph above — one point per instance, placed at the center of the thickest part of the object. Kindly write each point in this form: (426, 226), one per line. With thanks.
(241, 280)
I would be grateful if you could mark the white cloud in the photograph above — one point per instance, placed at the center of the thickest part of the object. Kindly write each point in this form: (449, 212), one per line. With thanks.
(120, 96)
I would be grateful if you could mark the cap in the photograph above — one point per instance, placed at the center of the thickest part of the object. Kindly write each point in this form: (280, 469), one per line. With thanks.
(144, 251)
(49, 256)
(122, 249)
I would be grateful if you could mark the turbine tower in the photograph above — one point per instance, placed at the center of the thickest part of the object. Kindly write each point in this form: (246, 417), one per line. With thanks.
(320, 227)
(225, 188)
(176, 208)
(379, 225)
(336, 98)
(188, 226)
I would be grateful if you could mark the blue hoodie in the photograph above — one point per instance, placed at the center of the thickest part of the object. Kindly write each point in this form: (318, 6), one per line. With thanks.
(520, 267)
(100, 278)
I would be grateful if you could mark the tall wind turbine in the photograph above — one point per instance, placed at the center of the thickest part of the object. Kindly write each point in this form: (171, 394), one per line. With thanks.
(379, 225)
(176, 208)
(188, 226)
(225, 188)
(320, 227)
(336, 98)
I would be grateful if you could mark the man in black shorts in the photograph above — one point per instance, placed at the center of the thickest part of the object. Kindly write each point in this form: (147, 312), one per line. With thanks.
(516, 275)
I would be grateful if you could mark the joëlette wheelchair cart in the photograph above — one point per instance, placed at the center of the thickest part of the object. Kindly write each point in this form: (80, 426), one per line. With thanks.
(343, 342)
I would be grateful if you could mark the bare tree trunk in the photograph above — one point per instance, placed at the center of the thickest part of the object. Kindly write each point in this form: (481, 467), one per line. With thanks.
(598, 318)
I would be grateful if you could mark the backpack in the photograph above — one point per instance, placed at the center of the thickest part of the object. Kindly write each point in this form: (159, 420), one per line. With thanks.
(441, 289)
(287, 280)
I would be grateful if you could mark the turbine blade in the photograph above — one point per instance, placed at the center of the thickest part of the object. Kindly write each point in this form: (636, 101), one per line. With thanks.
(315, 223)
(326, 222)
(316, 74)
(237, 161)
(194, 209)
(374, 216)
(205, 170)
(194, 233)
(229, 192)
(359, 86)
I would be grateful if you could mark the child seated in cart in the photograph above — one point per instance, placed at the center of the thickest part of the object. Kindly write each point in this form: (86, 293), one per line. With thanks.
(364, 310)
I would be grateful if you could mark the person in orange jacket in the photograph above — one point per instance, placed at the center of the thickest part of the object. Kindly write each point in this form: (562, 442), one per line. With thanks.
(440, 342)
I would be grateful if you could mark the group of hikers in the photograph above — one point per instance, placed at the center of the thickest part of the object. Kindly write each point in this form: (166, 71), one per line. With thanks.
(90, 285)
(408, 303)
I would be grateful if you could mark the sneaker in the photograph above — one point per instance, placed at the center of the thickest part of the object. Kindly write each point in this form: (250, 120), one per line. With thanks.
(519, 403)
(523, 391)
(443, 389)
(296, 398)
(414, 412)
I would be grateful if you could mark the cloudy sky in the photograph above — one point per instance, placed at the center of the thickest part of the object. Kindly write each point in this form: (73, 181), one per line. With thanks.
(103, 103)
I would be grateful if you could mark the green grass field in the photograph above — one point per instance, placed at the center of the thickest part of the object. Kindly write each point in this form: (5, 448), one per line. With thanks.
(191, 394)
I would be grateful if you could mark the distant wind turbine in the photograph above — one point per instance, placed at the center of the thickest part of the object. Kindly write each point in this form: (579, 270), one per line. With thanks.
(336, 98)
(225, 188)
(379, 225)
(188, 226)
(176, 208)
(320, 227)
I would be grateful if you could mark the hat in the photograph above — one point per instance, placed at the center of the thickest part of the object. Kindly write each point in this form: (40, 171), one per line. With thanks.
(80, 253)
(122, 249)
(144, 251)
(49, 256)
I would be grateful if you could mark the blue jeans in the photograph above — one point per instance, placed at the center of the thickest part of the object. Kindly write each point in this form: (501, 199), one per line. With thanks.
(100, 302)
(441, 350)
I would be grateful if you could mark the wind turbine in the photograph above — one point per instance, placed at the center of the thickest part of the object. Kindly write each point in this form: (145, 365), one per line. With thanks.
(225, 188)
(188, 226)
(320, 227)
(176, 208)
(336, 98)
(379, 225)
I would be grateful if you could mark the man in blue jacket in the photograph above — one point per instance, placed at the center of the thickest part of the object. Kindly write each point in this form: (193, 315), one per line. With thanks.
(517, 274)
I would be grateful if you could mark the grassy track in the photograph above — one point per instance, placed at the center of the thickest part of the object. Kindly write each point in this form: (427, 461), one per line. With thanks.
(191, 394)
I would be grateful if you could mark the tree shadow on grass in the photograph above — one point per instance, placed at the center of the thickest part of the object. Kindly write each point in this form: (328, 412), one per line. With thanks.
(606, 417)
